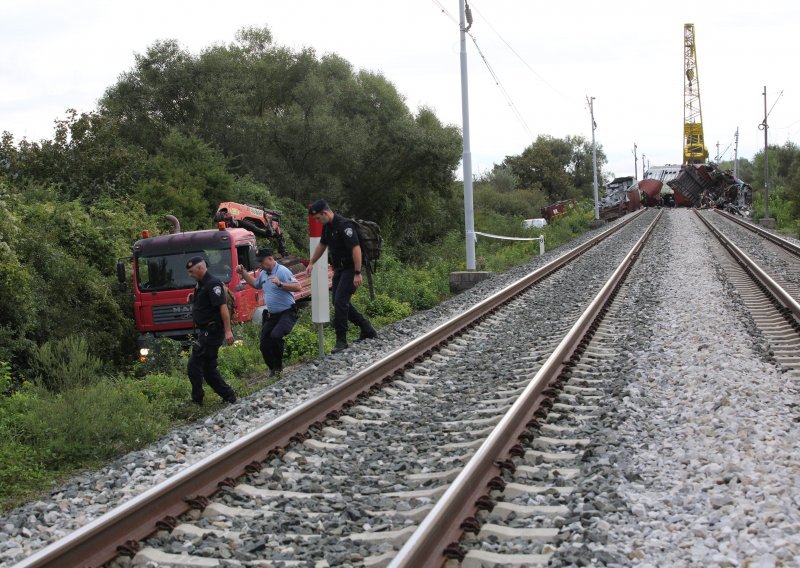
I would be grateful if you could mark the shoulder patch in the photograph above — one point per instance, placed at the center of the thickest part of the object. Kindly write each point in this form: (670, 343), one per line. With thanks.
(348, 231)
(218, 290)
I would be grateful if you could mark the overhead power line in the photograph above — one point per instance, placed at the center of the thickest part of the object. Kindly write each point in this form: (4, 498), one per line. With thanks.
(503, 90)
(514, 51)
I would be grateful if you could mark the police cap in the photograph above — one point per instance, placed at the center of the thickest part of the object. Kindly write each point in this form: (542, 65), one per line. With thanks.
(194, 260)
(318, 206)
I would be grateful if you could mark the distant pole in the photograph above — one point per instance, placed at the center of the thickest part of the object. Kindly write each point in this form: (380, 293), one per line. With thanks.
(636, 164)
(736, 154)
(469, 215)
(590, 100)
(644, 166)
(718, 156)
(766, 159)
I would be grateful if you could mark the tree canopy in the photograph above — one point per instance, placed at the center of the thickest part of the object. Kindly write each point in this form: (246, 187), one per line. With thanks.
(558, 168)
(304, 126)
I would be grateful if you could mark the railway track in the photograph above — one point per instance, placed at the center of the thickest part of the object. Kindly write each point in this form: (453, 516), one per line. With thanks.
(475, 444)
(161, 507)
(769, 295)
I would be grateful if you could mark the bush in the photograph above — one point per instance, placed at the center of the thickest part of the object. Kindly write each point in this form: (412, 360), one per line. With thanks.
(5, 377)
(237, 361)
(386, 308)
(20, 471)
(166, 356)
(166, 392)
(93, 422)
(420, 286)
(63, 364)
(301, 344)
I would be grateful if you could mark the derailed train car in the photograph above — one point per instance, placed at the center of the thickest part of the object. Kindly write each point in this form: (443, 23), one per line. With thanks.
(694, 185)
(705, 185)
(621, 197)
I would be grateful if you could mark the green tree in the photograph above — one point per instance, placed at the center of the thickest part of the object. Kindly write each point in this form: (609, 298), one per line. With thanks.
(186, 178)
(559, 168)
(502, 179)
(86, 159)
(17, 295)
(304, 126)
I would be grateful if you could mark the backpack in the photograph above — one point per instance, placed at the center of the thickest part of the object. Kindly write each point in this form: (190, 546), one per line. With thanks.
(369, 237)
(371, 242)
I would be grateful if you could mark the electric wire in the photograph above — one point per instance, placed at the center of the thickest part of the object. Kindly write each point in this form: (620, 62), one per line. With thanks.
(514, 51)
(503, 90)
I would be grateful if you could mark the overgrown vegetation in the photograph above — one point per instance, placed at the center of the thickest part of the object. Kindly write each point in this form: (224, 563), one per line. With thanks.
(251, 122)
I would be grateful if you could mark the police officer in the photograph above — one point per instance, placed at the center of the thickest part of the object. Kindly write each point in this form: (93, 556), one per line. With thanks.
(340, 237)
(213, 323)
(278, 284)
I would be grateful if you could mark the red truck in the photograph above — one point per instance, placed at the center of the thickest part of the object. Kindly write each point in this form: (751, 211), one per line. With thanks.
(161, 282)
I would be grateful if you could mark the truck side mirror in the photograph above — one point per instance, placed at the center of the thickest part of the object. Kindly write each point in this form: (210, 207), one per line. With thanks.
(121, 276)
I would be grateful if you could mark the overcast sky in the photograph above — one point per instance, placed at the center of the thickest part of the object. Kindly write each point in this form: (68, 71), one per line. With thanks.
(547, 56)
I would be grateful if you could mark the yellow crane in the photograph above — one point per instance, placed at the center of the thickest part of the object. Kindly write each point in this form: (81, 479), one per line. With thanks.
(694, 148)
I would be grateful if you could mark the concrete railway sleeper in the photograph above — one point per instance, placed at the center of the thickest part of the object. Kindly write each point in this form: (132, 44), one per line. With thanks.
(779, 258)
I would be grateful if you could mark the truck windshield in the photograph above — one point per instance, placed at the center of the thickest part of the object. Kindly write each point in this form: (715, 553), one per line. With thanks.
(168, 271)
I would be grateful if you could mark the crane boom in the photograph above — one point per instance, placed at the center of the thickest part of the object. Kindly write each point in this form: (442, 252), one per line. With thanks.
(694, 148)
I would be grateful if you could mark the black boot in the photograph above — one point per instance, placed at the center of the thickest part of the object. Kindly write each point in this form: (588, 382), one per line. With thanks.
(367, 333)
(341, 345)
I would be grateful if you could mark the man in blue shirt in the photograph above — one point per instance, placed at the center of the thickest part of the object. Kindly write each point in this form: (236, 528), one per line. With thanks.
(278, 284)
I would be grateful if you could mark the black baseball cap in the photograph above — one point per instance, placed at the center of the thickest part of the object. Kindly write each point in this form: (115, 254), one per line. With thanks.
(194, 260)
(263, 253)
(318, 206)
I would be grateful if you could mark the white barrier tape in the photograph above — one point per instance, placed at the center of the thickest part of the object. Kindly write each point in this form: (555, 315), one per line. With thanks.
(540, 238)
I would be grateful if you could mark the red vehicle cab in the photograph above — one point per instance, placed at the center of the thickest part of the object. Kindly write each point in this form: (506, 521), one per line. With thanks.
(161, 283)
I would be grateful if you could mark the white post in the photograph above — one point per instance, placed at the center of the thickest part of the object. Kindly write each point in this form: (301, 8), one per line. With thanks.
(469, 218)
(320, 307)
(541, 245)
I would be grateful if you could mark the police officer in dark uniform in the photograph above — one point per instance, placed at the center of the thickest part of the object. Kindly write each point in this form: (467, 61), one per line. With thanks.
(213, 323)
(340, 238)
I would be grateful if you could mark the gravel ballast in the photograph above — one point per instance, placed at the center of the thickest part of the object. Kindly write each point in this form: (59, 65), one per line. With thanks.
(706, 447)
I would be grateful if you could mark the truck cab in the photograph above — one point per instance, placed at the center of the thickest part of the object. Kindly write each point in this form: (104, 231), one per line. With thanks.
(161, 283)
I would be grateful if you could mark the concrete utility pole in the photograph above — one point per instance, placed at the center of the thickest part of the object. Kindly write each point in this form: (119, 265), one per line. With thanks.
(590, 100)
(469, 214)
(736, 154)
(644, 166)
(766, 221)
(636, 164)
(463, 280)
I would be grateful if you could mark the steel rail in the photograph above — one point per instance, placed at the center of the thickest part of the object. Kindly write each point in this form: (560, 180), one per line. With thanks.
(783, 243)
(441, 527)
(777, 292)
(100, 540)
